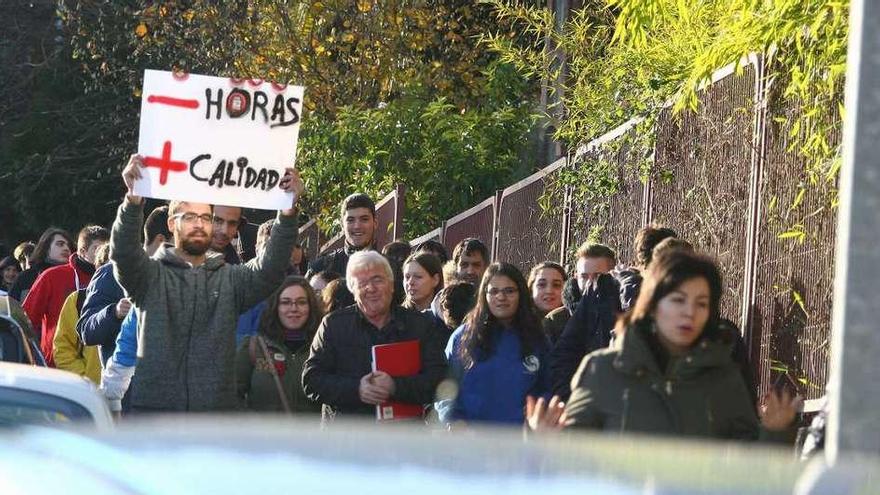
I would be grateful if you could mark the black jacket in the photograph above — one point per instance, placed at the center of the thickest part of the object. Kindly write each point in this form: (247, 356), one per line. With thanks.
(341, 355)
(26, 280)
(571, 295)
(337, 261)
(588, 329)
(554, 321)
(334, 261)
(630, 281)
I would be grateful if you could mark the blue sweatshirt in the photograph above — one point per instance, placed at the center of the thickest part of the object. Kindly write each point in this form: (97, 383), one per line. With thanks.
(249, 322)
(495, 388)
(127, 341)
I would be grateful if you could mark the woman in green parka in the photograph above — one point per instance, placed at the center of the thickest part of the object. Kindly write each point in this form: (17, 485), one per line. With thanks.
(670, 370)
(268, 366)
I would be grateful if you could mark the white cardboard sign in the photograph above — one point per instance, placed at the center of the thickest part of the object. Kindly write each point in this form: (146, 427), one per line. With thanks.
(217, 140)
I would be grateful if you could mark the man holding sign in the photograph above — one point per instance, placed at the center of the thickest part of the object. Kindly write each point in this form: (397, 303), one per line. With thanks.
(203, 141)
(189, 299)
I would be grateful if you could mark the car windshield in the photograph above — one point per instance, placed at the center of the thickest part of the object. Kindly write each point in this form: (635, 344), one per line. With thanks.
(25, 407)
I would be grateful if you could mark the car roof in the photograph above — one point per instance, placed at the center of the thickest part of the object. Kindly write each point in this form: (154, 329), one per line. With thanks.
(59, 383)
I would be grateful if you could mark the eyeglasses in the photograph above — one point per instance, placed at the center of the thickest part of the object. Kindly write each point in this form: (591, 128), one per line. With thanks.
(190, 217)
(507, 291)
(299, 303)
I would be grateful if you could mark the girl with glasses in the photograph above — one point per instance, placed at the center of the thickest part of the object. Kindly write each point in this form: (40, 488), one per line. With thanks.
(269, 365)
(498, 356)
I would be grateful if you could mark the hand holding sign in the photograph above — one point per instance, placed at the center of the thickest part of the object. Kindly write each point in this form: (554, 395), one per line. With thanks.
(291, 183)
(131, 174)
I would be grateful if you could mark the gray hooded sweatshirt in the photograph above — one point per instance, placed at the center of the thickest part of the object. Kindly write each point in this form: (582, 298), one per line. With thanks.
(188, 315)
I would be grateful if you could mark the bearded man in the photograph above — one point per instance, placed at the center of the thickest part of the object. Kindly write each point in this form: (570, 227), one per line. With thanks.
(188, 299)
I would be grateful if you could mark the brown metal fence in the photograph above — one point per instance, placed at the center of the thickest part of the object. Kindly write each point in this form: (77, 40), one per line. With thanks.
(478, 222)
(791, 314)
(310, 239)
(709, 154)
(526, 233)
(723, 177)
(434, 235)
(389, 213)
(616, 227)
(335, 242)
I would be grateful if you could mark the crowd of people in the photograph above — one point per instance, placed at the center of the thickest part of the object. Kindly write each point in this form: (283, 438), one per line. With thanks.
(164, 314)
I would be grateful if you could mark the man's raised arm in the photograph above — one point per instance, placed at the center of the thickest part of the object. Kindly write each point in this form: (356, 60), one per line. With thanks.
(131, 264)
(256, 279)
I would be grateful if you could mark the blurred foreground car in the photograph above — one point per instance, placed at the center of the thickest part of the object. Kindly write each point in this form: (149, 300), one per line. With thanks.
(240, 454)
(17, 341)
(35, 395)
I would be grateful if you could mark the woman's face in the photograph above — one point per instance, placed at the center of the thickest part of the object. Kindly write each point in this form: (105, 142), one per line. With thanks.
(418, 284)
(682, 314)
(293, 308)
(502, 296)
(10, 274)
(59, 249)
(547, 289)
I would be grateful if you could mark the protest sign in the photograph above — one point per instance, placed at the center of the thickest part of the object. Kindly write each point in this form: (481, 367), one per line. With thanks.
(217, 140)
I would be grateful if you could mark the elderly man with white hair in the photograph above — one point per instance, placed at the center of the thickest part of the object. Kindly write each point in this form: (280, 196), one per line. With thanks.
(338, 372)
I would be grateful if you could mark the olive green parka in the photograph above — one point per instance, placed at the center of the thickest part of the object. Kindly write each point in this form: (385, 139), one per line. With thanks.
(700, 394)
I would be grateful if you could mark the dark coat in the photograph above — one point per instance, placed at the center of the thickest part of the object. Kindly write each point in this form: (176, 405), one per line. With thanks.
(26, 279)
(255, 383)
(630, 281)
(334, 261)
(588, 329)
(341, 355)
(624, 389)
(98, 324)
(554, 321)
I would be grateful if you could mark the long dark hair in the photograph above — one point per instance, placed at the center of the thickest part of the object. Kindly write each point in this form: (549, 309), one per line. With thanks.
(664, 275)
(481, 325)
(270, 324)
(41, 251)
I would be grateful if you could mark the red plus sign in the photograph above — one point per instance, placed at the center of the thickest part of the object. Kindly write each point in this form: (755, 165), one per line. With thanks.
(165, 163)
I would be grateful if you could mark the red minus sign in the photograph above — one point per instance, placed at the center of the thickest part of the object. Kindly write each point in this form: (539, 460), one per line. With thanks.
(174, 102)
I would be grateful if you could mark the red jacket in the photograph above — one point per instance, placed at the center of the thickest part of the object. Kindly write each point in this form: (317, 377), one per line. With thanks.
(43, 302)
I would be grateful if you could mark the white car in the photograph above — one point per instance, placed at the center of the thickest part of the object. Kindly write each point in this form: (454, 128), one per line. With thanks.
(34, 395)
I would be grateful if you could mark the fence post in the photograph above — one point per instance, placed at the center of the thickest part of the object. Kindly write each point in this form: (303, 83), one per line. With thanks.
(566, 217)
(755, 210)
(496, 212)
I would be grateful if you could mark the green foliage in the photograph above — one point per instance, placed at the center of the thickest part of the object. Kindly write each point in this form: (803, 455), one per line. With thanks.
(635, 58)
(348, 54)
(396, 91)
(627, 58)
(448, 159)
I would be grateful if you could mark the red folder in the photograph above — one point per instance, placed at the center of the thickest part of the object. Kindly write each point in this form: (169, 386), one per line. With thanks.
(398, 359)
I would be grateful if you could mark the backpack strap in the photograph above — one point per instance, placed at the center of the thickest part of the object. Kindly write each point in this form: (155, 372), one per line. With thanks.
(278, 386)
